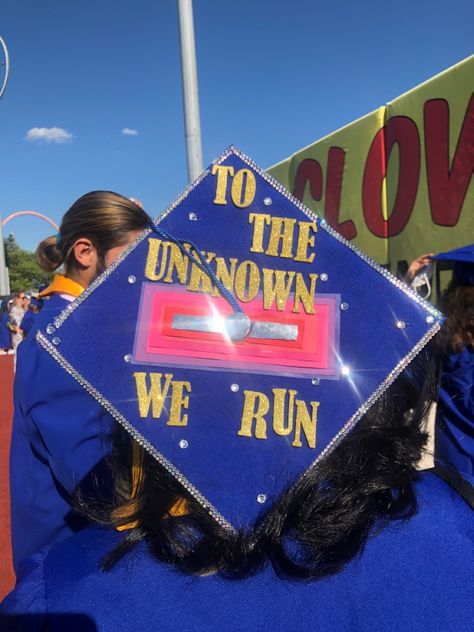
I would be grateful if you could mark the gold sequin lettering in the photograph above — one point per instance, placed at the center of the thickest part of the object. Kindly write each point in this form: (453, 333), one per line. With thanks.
(290, 416)
(305, 241)
(306, 422)
(154, 246)
(303, 294)
(278, 289)
(256, 405)
(247, 281)
(281, 232)
(258, 220)
(282, 426)
(178, 402)
(221, 186)
(154, 395)
(243, 188)
(179, 262)
(200, 281)
(226, 276)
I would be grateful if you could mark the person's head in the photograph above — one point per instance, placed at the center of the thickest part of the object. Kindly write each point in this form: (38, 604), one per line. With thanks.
(20, 300)
(457, 304)
(93, 233)
(316, 526)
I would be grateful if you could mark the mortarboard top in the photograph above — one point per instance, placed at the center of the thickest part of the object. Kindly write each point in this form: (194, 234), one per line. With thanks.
(463, 259)
(238, 395)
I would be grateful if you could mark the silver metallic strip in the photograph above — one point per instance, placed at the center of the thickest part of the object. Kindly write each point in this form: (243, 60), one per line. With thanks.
(146, 445)
(203, 324)
(273, 331)
(259, 329)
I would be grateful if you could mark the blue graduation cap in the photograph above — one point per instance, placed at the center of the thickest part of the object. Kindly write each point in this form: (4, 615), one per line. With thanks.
(463, 260)
(240, 338)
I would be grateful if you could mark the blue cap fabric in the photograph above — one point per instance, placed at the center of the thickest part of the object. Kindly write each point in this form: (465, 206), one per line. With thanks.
(463, 259)
(239, 391)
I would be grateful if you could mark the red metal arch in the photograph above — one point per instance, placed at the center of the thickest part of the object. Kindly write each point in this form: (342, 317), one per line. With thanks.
(34, 214)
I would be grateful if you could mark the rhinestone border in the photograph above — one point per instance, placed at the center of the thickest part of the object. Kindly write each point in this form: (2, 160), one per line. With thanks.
(59, 320)
(139, 438)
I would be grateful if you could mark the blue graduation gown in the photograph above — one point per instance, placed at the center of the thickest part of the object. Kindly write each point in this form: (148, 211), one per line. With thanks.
(60, 437)
(414, 576)
(27, 322)
(5, 334)
(454, 444)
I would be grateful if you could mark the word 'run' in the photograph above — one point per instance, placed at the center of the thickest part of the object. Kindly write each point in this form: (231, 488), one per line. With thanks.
(290, 416)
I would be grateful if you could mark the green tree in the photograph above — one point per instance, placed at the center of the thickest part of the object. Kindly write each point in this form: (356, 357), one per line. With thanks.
(25, 273)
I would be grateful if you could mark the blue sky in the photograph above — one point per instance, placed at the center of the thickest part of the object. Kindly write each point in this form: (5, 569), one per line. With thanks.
(274, 76)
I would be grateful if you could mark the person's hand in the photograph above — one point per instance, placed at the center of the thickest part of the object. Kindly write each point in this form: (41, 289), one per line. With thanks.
(417, 265)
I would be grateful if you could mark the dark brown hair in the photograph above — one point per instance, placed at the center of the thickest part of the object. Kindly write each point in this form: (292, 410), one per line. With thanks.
(104, 217)
(458, 330)
(316, 526)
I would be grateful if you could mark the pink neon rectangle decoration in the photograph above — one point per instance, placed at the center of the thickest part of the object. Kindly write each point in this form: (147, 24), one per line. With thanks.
(312, 353)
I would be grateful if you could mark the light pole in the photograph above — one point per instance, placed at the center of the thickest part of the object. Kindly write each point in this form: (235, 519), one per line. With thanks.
(5, 70)
(192, 122)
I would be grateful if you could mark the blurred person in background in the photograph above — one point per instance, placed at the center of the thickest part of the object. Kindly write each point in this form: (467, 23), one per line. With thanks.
(5, 332)
(29, 317)
(454, 430)
(17, 311)
(454, 440)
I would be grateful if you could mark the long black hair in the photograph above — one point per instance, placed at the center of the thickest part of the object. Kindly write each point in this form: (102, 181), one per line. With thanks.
(318, 524)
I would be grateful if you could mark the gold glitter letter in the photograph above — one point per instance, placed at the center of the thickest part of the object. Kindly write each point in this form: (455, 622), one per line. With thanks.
(304, 240)
(221, 188)
(249, 414)
(279, 396)
(225, 275)
(278, 289)
(282, 229)
(246, 290)
(155, 396)
(179, 262)
(249, 188)
(259, 220)
(178, 401)
(152, 259)
(303, 420)
(303, 295)
(199, 281)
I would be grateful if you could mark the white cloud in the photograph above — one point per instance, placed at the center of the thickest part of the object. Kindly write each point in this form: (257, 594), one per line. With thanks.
(129, 132)
(48, 135)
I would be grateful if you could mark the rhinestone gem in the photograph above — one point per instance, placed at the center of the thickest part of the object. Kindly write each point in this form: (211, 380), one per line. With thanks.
(401, 324)
(262, 498)
(267, 201)
(193, 217)
(323, 276)
(50, 329)
(183, 444)
(344, 306)
(132, 279)
(128, 357)
(56, 340)
(234, 388)
(430, 319)
(315, 381)
(345, 370)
